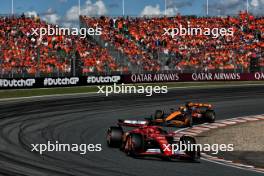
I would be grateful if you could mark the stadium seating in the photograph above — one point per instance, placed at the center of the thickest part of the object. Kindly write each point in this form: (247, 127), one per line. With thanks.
(23, 53)
(143, 41)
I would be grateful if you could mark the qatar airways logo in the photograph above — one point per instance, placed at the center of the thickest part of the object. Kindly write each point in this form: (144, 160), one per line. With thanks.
(215, 76)
(17, 82)
(259, 76)
(155, 77)
(60, 81)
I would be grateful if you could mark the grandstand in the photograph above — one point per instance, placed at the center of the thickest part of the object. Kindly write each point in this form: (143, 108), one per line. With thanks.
(143, 42)
(129, 44)
(24, 54)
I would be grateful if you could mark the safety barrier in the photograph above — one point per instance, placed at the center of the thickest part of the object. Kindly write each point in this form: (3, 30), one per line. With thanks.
(127, 79)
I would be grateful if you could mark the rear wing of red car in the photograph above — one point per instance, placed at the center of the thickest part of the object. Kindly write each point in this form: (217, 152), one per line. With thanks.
(132, 123)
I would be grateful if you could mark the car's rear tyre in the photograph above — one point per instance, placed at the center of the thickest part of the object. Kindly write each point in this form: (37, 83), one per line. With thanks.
(190, 151)
(210, 116)
(134, 144)
(114, 136)
(188, 121)
(158, 114)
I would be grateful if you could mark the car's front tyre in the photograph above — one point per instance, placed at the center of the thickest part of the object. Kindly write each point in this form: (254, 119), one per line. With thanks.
(114, 136)
(188, 121)
(134, 144)
(192, 152)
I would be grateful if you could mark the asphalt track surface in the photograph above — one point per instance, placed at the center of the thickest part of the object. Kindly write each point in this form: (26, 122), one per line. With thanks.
(85, 119)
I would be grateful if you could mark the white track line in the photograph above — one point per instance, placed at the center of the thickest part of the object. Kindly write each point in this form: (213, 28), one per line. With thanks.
(47, 96)
(230, 165)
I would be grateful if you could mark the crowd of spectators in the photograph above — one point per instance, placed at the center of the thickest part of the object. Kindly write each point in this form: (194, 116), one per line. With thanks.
(94, 58)
(142, 40)
(116, 32)
(24, 53)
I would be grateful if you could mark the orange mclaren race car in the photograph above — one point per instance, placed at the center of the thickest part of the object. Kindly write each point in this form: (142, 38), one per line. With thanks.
(184, 116)
(150, 141)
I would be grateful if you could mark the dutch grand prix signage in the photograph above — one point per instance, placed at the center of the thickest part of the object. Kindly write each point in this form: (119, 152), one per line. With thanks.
(17, 83)
(134, 78)
(58, 82)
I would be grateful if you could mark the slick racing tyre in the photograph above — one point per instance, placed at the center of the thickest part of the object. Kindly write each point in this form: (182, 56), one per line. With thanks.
(190, 151)
(158, 114)
(134, 144)
(210, 116)
(114, 136)
(188, 121)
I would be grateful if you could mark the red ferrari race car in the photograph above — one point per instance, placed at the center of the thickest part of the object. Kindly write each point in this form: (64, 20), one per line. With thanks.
(149, 141)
